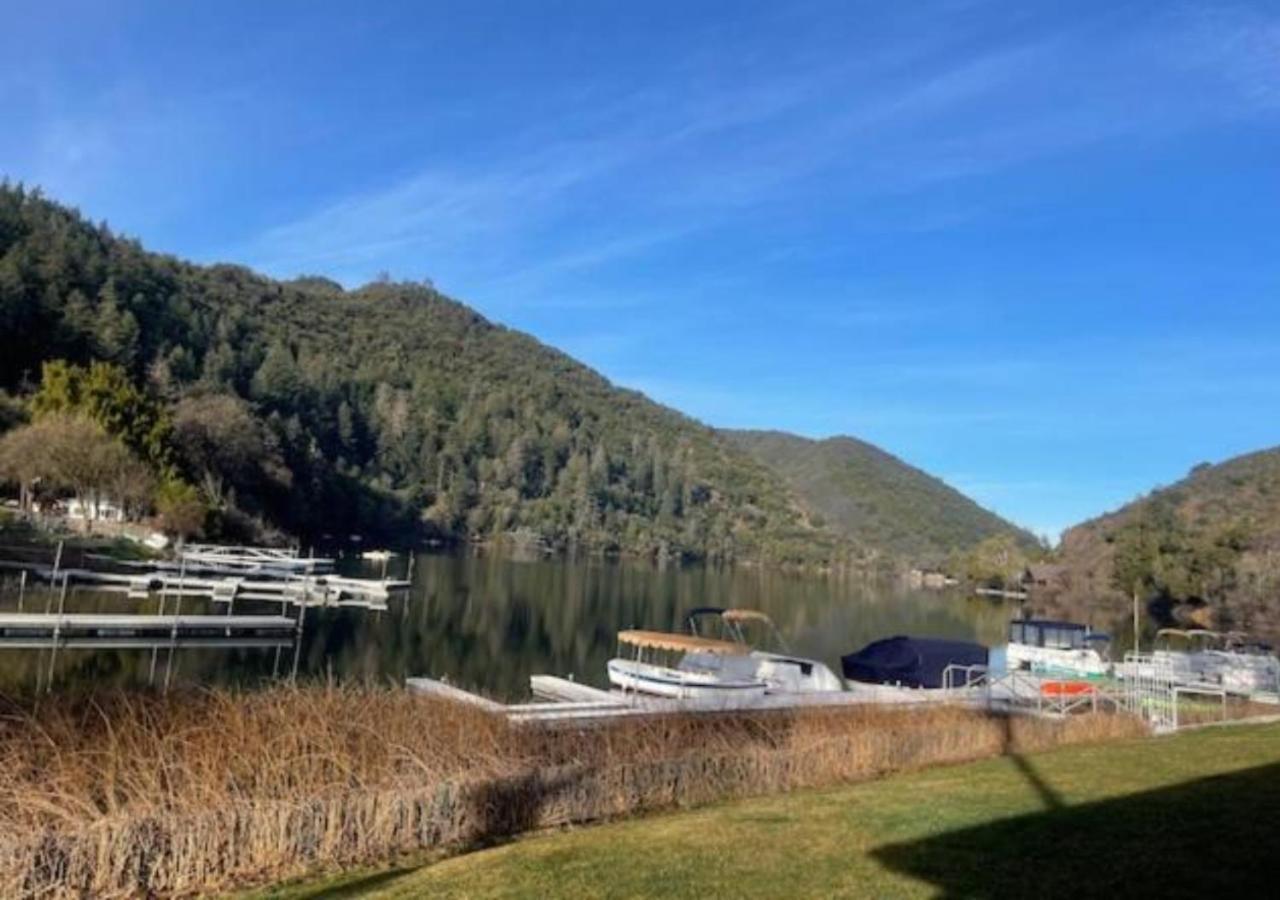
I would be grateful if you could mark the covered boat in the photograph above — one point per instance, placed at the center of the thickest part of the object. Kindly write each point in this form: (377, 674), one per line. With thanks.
(911, 661)
(685, 667)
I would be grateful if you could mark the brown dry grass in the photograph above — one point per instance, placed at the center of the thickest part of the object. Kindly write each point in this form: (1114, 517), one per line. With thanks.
(130, 794)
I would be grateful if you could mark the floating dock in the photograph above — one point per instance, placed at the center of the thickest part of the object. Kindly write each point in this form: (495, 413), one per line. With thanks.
(219, 575)
(287, 587)
(256, 560)
(561, 701)
(36, 631)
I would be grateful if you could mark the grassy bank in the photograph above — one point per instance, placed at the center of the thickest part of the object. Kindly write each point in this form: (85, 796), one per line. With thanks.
(1188, 816)
(191, 792)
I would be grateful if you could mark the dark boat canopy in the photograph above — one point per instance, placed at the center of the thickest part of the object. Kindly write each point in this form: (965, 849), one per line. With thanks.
(910, 661)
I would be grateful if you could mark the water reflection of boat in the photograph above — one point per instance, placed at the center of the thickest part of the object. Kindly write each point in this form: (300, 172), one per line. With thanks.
(685, 667)
(1048, 647)
(781, 670)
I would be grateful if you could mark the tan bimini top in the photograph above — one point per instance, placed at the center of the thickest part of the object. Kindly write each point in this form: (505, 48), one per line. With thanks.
(744, 615)
(680, 643)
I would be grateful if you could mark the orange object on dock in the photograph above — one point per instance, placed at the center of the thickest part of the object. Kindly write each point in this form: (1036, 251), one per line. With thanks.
(1067, 688)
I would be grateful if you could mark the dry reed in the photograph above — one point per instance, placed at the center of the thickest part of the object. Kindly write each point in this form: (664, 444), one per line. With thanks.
(127, 794)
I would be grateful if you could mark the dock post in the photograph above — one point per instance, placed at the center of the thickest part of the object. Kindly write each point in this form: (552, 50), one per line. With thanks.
(173, 634)
(297, 640)
(57, 563)
(57, 632)
(164, 595)
(22, 589)
(231, 603)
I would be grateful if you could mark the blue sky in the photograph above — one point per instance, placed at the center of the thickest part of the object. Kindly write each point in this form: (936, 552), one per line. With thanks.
(1032, 248)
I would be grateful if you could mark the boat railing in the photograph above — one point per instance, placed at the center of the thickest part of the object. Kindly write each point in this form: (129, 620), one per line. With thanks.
(1030, 691)
(956, 676)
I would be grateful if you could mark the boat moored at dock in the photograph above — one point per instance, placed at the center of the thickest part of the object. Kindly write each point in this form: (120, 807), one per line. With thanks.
(913, 669)
(684, 667)
(1049, 647)
(781, 670)
(1231, 660)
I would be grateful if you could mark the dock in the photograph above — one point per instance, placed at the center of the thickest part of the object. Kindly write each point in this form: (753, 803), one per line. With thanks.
(256, 560)
(560, 701)
(226, 575)
(220, 576)
(38, 631)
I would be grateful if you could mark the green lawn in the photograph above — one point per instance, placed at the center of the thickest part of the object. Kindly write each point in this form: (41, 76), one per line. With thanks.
(1190, 815)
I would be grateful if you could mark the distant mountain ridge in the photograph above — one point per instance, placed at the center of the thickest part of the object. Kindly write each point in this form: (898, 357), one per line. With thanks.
(870, 496)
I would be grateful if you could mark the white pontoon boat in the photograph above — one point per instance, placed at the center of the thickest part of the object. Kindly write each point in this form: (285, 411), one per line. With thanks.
(683, 667)
(1230, 660)
(784, 672)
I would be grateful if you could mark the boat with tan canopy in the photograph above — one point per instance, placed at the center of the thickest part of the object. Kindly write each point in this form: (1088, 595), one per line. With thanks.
(775, 664)
(685, 667)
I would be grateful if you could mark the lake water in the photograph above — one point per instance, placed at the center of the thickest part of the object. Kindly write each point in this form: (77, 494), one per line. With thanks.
(488, 623)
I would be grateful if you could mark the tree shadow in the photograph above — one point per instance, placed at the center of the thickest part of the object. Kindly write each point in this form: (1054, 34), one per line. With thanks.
(506, 807)
(1048, 796)
(355, 887)
(1207, 836)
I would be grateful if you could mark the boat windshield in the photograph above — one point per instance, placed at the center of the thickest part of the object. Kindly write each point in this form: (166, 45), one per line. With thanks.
(748, 627)
(754, 629)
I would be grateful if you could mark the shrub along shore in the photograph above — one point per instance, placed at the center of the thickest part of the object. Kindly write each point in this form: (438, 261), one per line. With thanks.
(128, 794)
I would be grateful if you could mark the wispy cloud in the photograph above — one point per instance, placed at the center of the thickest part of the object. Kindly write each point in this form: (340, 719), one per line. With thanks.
(677, 164)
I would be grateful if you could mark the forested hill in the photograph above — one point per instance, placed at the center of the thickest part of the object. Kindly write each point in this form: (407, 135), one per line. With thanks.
(874, 498)
(1205, 550)
(304, 407)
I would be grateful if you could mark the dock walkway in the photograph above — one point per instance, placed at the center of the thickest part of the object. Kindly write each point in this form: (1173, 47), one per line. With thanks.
(42, 630)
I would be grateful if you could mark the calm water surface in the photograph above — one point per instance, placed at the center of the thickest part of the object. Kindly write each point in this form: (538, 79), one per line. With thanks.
(488, 622)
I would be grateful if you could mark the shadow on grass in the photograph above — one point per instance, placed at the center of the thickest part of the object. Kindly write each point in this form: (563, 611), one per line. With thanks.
(346, 888)
(1195, 839)
(1048, 796)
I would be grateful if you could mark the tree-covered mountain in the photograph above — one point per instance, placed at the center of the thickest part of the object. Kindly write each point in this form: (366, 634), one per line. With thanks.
(1204, 551)
(304, 407)
(875, 499)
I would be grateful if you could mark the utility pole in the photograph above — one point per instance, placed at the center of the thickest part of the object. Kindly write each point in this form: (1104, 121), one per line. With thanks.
(1135, 620)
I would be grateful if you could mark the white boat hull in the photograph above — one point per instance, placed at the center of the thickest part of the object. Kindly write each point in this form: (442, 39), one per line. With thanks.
(794, 675)
(1086, 663)
(705, 688)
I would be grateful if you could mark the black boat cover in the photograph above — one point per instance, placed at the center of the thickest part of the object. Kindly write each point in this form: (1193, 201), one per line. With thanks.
(910, 661)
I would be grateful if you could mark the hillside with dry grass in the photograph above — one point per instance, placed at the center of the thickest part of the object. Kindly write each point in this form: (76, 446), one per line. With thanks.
(1203, 551)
